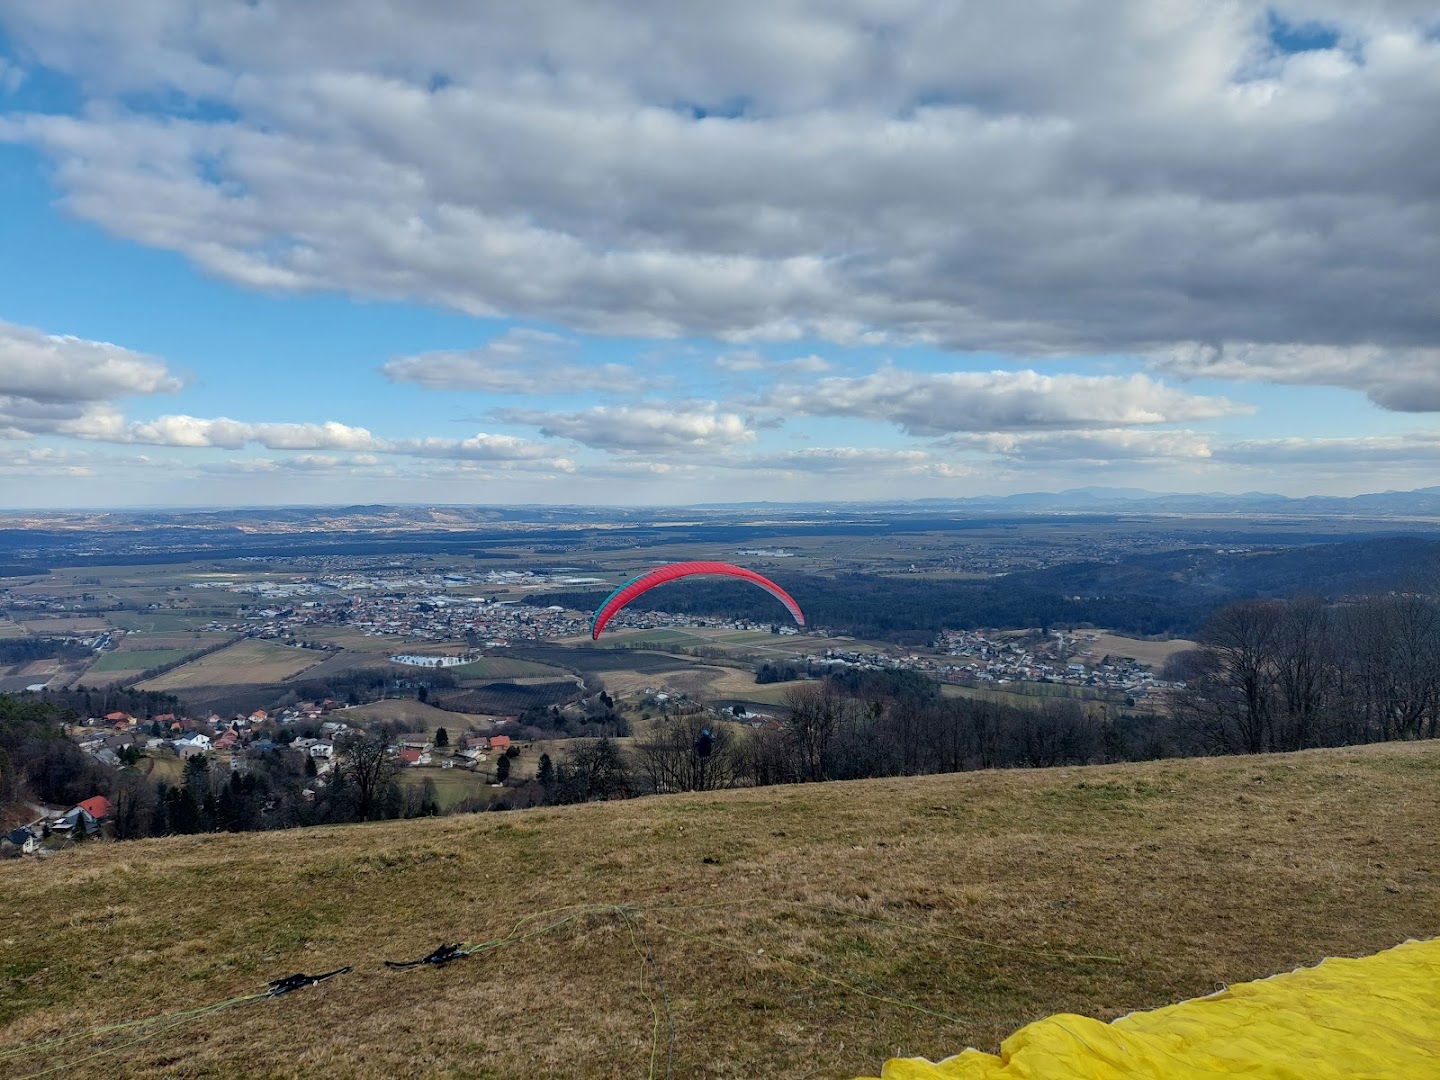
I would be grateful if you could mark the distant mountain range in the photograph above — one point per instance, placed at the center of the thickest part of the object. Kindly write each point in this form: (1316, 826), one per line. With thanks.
(1420, 503)
(1423, 502)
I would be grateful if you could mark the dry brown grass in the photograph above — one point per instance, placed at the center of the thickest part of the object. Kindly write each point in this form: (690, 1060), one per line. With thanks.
(759, 907)
(245, 663)
(1150, 653)
(419, 716)
(699, 680)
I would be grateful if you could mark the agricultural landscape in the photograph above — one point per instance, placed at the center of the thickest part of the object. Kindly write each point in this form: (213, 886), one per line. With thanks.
(852, 540)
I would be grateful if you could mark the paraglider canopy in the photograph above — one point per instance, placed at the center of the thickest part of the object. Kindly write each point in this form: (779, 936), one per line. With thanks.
(634, 587)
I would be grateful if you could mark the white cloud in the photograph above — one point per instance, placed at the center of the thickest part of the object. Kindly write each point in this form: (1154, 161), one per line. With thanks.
(1358, 451)
(195, 431)
(11, 76)
(1401, 379)
(1101, 176)
(480, 447)
(222, 432)
(649, 428)
(1089, 447)
(938, 404)
(57, 368)
(855, 461)
(519, 361)
(749, 360)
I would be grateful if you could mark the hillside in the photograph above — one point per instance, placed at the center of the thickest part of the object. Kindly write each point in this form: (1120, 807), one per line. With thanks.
(991, 898)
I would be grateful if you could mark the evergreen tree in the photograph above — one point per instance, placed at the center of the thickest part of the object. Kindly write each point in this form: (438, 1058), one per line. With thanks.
(442, 737)
(429, 799)
(502, 770)
(545, 773)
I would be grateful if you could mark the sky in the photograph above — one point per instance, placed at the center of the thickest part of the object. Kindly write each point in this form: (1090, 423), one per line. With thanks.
(341, 251)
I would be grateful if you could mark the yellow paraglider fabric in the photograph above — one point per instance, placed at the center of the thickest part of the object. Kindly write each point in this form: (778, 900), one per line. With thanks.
(1377, 1018)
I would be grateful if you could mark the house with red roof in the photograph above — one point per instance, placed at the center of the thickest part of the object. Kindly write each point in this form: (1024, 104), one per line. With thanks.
(410, 755)
(85, 815)
(117, 718)
(499, 742)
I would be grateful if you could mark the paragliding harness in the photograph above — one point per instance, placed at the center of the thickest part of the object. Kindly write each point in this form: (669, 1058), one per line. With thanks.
(300, 980)
(704, 744)
(443, 954)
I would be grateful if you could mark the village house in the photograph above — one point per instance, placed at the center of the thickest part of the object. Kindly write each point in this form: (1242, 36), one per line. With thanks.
(24, 839)
(88, 815)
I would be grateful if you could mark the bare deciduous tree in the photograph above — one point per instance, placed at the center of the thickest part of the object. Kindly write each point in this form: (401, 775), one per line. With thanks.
(365, 763)
(669, 760)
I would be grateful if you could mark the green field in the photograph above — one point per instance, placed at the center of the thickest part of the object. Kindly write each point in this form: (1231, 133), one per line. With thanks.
(504, 667)
(138, 659)
(158, 621)
(163, 766)
(452, 785)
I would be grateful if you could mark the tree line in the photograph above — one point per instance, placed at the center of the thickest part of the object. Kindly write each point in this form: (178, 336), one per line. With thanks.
(1301, 672)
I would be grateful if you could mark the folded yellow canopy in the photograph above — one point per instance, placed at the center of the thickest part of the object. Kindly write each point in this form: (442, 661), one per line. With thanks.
(1377, 1018)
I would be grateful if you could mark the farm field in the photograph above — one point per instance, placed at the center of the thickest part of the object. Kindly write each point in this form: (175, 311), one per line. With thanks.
(64, 625)
(1028, 699)
(914, 916)
(188, 641)
(252, 662)
(414, 714)
(700, 680)
(505, 667)
(136, 659)
(166, 767)
(452, 785)
(1153, 654)
(348, 637)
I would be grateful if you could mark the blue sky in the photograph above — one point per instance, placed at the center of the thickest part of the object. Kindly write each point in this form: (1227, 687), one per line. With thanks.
(463, 258)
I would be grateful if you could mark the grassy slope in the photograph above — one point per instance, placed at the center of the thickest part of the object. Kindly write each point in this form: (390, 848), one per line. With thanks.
(1191, 873)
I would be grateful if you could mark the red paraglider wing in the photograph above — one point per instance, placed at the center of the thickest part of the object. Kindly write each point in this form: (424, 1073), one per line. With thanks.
(633, 588)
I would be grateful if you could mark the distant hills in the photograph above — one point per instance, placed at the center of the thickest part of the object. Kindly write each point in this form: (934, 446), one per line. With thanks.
(1423, 502)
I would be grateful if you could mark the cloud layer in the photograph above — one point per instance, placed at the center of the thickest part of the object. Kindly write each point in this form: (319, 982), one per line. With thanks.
(1074, 177)
(1403, 380)
(938, 404)
(520, 361)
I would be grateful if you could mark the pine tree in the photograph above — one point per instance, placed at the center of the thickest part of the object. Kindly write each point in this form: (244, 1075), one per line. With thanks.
(442, 737)
(502, 770)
